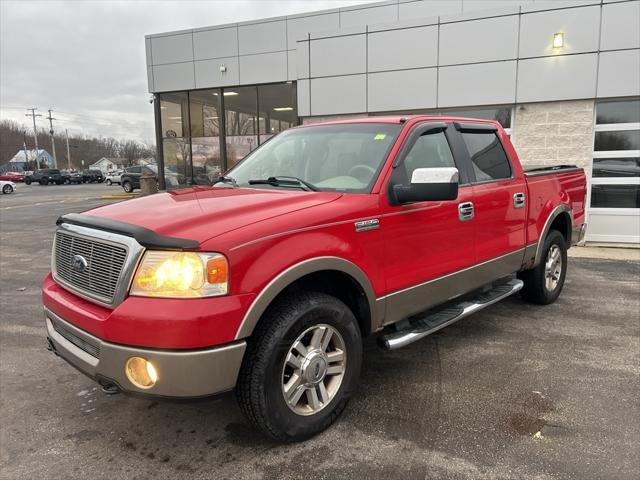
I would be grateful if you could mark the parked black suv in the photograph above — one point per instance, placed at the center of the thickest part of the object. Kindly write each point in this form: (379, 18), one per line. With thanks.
(44, 176)
(90, 176)
(71, 177)
(130, 179)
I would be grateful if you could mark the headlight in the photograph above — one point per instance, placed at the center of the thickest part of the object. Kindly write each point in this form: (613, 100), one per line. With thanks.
(181, 275)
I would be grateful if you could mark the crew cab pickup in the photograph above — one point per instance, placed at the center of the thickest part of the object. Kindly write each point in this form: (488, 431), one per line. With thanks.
(267, 281)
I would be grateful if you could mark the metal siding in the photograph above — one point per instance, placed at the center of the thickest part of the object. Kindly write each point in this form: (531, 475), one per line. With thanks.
(217, 43)
(620, 26)
(539, 5)
(407, 48)
(292, 65)
(334, 95)
(299, 28)
(421, 9)
(173, 76)
(619, 74)
(172, 49)
(262, 37)
(479, 84)
(208, 72)
(479, 40)
(150, 85)
(370, 15)
(147, 51)
(580, 26)
(302, 92)
(557, 78)
(263, 68)
(403, 90)
(302, 60)
(338, 55)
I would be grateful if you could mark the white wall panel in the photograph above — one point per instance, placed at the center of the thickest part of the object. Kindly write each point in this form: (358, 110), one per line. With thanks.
(299, 28)
(620, 26)
(557, 78)
(302, 60)
(369, 16)
(173, 76)
(479, 84)
(217, 43)
(292, 65)
(334, 95)
(405, 90)
(580, 26)
(538, 5)
(208, 72)
(424, 9)
(263, 68)
(407, 48)
(262, 37)
(147, 51)
(150, 85)
(171, 49)
(619, 74)
(302, 87)
(338, 55)
(479, 40)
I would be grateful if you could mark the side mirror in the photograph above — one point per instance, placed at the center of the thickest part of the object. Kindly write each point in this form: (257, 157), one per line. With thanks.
(428, 184)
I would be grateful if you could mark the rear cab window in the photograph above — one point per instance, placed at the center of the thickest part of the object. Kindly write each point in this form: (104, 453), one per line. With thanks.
(489, 161)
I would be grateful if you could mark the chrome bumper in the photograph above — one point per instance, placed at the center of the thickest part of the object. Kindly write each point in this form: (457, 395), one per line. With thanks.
(191, 373)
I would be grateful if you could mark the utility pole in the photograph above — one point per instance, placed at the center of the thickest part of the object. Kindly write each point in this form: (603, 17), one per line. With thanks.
(24, 147)
(33, 115)
(53, 143)
(66, 134)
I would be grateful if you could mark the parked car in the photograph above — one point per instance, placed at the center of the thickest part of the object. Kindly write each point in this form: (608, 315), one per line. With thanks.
(130, 178)
(7, 187)
(91, 176)
(45, 176)
(267, 282)
(12, 176)
(72, 176)
(113, 177)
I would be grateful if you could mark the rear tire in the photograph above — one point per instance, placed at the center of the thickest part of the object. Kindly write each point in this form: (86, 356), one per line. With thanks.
(108, 182)
(543, 284)
(311, 329)
(27, 181)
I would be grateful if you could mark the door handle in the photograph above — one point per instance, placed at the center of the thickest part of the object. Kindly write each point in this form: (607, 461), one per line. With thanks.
(465, 211)
(518, 200)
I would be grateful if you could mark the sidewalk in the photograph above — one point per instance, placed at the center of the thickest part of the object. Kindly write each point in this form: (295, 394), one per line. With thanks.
(609, 253)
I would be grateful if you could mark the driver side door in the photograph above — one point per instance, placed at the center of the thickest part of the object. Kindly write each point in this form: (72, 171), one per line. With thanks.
(425, 241)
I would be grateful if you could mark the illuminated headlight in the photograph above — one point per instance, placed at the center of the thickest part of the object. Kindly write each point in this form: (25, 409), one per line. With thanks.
(181, 275)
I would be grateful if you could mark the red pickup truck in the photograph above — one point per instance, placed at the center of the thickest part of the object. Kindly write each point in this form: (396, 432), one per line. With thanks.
(267, 281)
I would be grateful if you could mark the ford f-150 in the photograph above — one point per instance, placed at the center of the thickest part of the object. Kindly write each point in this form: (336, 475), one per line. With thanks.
(267, 281)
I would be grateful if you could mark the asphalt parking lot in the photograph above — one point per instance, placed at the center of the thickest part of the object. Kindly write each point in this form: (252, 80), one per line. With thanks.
(516, 391)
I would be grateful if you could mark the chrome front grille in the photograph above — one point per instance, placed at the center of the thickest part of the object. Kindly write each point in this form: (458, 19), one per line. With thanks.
(90, 348)
(98, 275)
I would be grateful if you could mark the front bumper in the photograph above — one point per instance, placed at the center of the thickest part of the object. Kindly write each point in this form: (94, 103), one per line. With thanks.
(183, 373)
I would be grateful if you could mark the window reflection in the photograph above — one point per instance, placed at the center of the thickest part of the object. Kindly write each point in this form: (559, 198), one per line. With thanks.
(277, 109)
(615, 196)
(617, 140)
(241, 116)
(205, 139)
(175, 138)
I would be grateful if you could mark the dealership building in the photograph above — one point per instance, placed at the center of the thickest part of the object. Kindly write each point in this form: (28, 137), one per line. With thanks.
(563, 77)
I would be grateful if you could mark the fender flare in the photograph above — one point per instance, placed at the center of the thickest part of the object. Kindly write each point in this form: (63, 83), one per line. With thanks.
(559, 210)
(297, 271)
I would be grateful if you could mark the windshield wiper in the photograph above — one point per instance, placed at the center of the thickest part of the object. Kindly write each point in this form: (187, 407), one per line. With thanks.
(229, 180)
(284, 181)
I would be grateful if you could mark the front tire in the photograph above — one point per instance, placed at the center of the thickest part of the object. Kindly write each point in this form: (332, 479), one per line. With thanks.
(543, 284)
(7, 189)
(127, 187)
(108, 182)
(301, 366)
(27, 181)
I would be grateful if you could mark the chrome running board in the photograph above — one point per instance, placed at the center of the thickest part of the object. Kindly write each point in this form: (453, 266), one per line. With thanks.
(424, 324)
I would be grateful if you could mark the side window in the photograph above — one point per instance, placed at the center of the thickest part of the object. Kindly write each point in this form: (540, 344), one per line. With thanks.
(134, 170)
(430, 150)
(488, 158)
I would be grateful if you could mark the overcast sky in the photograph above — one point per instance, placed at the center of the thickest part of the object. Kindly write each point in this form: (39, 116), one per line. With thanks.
(86, 60)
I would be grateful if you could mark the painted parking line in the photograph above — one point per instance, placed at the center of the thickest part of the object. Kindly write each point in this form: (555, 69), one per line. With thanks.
(53, 202)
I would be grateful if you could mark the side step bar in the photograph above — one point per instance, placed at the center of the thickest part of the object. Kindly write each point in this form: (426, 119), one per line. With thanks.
(424, 324)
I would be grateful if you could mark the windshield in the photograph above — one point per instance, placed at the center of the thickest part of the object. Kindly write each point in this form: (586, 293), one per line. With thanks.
(345, 157)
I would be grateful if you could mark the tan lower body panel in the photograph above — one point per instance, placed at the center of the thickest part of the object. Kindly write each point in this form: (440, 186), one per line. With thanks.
(416, 299)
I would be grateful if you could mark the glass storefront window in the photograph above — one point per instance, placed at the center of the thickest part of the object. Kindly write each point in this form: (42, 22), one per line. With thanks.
(617, 140)
(618, 111)
(615, 196)
(176, 161)
(241, 117)
(205, 135)
(277, 109)
(176, 147)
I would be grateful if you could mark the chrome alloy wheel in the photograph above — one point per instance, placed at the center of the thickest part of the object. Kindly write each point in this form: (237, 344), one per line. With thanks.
(314, 369)
(552, 268)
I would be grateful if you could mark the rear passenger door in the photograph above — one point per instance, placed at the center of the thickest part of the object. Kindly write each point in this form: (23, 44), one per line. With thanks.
(498, 193)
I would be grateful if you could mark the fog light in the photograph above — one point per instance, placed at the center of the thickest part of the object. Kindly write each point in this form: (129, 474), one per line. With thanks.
(141, 372)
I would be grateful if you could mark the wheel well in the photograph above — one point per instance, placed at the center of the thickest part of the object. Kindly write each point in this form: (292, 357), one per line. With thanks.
(340, 285)
(562, 223)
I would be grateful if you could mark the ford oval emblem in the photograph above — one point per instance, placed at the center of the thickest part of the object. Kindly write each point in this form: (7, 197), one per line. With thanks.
(79, 263)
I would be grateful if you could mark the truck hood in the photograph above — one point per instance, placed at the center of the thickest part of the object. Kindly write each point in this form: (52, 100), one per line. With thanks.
(201, 213)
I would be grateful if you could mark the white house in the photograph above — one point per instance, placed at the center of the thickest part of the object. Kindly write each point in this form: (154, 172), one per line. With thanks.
(106, 165)
(19, 162)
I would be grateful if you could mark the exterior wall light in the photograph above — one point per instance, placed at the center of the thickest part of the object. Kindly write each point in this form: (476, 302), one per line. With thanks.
(558, 40)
